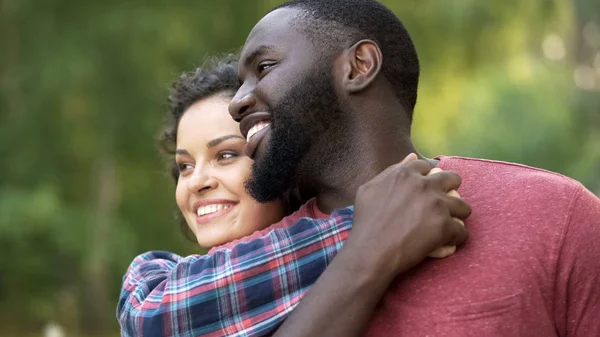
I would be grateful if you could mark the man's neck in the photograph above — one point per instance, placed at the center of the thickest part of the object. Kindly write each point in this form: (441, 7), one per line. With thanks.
(370, 150)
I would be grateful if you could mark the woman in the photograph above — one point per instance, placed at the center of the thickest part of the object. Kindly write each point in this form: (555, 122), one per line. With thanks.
(164, 294)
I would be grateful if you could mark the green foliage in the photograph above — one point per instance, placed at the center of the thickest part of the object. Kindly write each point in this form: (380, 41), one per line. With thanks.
(82, 95)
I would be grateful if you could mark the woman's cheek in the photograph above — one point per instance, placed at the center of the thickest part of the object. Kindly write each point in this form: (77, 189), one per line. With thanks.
(245, 167)
(180, 195)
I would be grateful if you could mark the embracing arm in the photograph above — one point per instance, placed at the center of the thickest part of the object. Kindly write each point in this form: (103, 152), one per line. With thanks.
(249, 289)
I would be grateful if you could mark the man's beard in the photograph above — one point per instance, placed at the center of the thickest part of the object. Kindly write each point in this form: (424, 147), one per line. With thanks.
(298, 122)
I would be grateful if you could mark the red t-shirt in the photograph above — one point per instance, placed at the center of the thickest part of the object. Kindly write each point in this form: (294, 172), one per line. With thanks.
(531, 266)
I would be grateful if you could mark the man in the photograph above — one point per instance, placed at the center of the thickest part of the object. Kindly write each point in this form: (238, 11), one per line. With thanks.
(337, 80)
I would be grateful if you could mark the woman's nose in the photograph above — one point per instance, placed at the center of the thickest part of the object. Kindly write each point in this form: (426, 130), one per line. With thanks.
(202, 180)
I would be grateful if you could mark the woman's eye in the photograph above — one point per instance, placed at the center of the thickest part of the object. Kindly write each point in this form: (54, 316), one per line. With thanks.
(225, 155)
(185, 167)
(264, 66)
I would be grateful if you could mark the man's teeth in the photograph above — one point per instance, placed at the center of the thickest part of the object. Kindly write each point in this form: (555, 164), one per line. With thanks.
(208, 209)
(257, 127)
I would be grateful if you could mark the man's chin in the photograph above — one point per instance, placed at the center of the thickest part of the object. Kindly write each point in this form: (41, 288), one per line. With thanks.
(267, 181)
(259, 193)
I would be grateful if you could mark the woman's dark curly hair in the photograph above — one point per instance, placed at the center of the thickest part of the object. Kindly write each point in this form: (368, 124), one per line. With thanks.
(218, 75)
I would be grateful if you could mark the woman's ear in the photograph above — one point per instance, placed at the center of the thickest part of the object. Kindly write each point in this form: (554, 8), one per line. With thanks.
(362, 65)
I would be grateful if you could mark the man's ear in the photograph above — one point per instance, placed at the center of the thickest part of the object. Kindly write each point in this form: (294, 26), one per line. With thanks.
(362, 65)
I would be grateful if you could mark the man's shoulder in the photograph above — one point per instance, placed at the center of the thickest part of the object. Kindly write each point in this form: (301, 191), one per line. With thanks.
(495, 187)
(494, 172)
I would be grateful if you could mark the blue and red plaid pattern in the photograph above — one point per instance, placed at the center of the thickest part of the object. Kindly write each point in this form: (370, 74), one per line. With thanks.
(245, 291)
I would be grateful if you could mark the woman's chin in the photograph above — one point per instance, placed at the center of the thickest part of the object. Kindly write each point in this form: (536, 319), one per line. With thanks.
(207, 240)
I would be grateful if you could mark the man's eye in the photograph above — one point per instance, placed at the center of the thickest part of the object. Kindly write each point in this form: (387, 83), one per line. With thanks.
(264, 66)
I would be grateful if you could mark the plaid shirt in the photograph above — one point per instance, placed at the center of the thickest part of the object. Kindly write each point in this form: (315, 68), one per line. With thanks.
(248, 290)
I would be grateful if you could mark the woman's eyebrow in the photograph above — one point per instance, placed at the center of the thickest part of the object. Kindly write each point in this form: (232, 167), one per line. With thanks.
(219, 140)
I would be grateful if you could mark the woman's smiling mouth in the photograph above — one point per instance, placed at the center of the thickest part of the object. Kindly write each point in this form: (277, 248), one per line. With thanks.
(208, 211)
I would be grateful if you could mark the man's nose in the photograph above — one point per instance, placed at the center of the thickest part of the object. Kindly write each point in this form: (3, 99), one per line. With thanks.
(243, 101)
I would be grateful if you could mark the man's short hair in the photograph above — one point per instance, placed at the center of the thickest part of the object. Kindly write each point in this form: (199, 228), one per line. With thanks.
(336, 24)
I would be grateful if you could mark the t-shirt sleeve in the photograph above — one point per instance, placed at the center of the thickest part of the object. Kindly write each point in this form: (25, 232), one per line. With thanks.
(577, 291)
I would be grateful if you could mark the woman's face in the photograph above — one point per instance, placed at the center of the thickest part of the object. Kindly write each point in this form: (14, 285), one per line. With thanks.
(213, 168)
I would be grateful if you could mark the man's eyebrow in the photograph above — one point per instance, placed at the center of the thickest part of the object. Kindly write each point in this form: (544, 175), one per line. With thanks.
(219, 140)
(182, 152)
(260, 51)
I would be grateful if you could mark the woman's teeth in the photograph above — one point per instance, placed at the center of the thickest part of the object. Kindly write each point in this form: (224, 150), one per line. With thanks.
(208, 209)
(257, 127)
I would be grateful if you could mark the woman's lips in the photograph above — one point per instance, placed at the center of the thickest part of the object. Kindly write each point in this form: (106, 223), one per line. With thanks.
(206, 218)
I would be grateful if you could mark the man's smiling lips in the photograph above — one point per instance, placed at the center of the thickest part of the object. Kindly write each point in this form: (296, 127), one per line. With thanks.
(254, 127)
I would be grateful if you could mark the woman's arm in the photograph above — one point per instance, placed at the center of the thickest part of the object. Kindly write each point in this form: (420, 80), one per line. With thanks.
(250, 288)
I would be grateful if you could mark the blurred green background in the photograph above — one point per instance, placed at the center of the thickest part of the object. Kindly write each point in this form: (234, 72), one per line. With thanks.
(82, 96)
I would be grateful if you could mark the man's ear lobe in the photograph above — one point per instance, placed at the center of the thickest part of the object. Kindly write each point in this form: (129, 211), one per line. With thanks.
(363, 64)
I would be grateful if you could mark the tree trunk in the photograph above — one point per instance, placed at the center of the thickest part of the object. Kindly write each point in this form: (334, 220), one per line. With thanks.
(96, 302)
